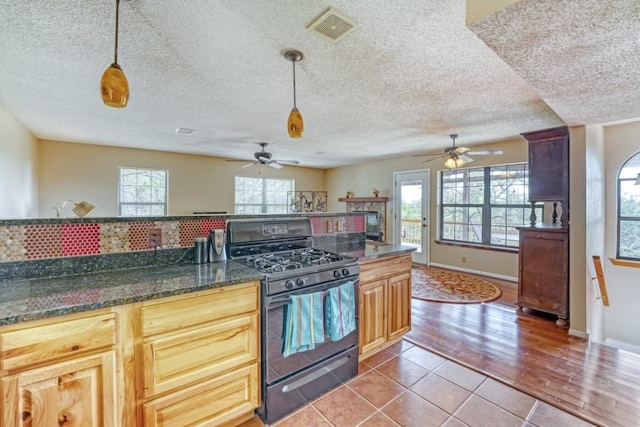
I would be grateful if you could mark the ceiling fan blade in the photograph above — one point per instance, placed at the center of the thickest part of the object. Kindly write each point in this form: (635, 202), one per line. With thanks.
(248, 164)
(467, 159)
(288, 162)
(435, 158)
(274, 164)
(460, 150)
(485, 152)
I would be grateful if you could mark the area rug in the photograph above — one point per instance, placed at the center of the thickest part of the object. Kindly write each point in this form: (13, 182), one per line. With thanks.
(452, 287)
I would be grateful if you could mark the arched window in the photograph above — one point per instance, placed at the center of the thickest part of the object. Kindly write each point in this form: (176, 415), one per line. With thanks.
(629, 209)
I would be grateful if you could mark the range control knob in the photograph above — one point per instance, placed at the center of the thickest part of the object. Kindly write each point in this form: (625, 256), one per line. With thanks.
(345, 272)
(300, 281)
(289, 284)
(337, 274)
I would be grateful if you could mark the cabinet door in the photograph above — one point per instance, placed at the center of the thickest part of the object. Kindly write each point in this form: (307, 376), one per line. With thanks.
(210, 403)
(399, 300)
(76, 393)
(373, 317)
(543, 283)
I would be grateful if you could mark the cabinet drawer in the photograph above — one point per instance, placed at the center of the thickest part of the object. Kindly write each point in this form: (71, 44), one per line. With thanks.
(55, 339)
(162, 316)
(385, 267)
(208, 404)
(183, 358)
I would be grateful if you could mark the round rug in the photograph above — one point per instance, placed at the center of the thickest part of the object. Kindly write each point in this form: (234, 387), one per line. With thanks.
(452, 286)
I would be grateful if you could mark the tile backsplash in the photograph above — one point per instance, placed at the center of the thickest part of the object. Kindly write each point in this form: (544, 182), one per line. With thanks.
(25, 240)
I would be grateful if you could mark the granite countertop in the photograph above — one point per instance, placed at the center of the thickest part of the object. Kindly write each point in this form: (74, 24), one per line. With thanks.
(24, 300)
(31, 299)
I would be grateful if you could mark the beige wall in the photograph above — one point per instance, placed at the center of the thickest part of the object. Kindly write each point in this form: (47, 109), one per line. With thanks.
(18, 164)
(69, 171)
(577, 231)
(363, 178)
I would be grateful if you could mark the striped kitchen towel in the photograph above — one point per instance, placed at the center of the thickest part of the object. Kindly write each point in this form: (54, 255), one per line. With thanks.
(341, 311)
(303, 323)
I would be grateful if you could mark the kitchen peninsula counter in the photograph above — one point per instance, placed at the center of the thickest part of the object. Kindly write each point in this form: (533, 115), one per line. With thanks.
(32, 299)
(367, 252)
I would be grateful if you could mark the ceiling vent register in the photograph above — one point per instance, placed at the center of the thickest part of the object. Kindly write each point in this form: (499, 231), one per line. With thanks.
(332, 25)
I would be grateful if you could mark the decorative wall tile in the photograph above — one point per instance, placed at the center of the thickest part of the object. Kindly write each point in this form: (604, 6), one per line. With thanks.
(355, 224)
(170, 233)
(189, 230)
(139, 235)
(80, 239)
(316, 225)
(12, 243)
(114, 237)
(212, 224)
(42, 241)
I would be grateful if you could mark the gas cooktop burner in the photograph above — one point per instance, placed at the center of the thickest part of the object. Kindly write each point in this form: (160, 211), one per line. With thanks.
(291, 260)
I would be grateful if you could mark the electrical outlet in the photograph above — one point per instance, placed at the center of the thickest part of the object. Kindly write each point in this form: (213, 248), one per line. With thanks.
(155, 237)
(464, 259)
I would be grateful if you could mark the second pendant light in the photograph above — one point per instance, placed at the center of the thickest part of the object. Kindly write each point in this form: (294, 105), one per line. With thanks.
(295, 124)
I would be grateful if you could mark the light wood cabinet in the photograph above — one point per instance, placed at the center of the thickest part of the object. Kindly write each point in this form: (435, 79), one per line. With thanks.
(385, 302)
(61, 372)
(199, 357)
(191, 359)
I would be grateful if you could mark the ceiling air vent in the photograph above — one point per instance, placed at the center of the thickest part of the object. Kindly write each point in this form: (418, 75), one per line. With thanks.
(332, 25)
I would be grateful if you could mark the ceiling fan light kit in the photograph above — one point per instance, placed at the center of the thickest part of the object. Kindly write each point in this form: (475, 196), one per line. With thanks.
(295, 124)
(458, 156)
(114, 86)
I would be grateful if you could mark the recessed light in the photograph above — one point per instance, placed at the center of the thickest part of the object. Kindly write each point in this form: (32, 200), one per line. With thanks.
(184, 130)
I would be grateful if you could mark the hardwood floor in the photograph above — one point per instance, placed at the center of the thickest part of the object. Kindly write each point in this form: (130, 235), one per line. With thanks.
(529, 352)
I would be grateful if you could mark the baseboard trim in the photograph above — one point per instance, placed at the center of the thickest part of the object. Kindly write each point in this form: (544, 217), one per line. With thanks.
(578, 334)
(622, 345)
(468, 270)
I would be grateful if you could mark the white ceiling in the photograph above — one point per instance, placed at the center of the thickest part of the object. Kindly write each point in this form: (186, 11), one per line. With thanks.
(408, 75)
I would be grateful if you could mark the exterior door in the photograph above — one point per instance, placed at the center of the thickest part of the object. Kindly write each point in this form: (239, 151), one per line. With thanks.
(411, 228)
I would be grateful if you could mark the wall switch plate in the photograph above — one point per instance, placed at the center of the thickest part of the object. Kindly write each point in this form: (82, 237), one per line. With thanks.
(155, 237)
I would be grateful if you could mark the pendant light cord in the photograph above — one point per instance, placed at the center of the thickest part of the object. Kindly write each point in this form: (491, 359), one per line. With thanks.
(115, 54)
(294, 83)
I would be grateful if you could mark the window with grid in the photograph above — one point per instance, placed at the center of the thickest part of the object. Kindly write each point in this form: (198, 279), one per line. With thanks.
(142, 192)
(629, 210)
(262, 195)
(484, 205)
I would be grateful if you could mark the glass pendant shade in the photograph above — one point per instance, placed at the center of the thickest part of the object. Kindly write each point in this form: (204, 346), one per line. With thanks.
(637, 180)
(295, 124)
(452, 163)
(114, 87)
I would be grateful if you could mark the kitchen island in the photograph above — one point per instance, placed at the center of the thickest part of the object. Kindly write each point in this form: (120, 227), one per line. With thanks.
(147, 341)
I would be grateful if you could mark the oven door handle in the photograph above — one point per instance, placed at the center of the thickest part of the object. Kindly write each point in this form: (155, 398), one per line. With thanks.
(278, 302)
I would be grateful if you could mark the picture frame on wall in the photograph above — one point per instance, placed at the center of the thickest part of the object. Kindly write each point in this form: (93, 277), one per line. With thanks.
(307, 201)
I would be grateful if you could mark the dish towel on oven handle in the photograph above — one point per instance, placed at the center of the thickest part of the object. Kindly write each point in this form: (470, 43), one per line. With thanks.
(340, 319)
(303, 323)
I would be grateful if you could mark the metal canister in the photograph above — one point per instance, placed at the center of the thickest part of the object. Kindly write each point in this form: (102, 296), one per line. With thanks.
(201, 255)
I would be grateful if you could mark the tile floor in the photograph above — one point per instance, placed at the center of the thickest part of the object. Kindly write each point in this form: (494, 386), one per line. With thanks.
(408, 386)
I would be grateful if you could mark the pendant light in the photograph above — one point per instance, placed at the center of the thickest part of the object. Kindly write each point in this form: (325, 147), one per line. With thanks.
(113, 84)
(295, 124)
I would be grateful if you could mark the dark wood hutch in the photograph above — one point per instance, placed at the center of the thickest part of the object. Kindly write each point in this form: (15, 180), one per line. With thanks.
(543, 270)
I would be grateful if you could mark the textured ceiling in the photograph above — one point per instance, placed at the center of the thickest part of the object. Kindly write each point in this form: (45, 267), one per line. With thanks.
(408, 75)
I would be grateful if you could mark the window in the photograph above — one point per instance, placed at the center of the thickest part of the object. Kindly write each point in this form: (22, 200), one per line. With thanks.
(261, 195)
(484, 205)
(142, 192)
(629, 210)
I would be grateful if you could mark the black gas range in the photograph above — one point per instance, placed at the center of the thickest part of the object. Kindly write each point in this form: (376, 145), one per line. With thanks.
(282, 249)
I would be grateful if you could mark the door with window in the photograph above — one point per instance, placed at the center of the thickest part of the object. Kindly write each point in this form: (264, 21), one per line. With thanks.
(411, 198)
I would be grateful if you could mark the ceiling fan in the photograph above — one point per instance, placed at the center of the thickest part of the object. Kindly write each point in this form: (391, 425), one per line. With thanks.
(459, 156)
(264, 158)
